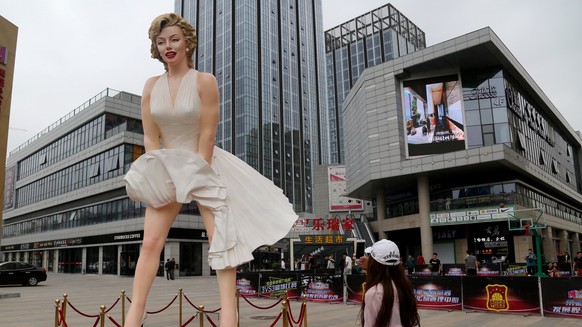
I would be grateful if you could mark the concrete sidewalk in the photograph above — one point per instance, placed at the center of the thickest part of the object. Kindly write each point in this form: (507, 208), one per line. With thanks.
(36, 306)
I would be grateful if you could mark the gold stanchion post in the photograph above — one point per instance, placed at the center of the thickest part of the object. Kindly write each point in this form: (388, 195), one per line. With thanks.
(102, 315)
(57, 302)
(238, 307)
(201, 316)
(180, 307)
(304, 300)
(64, 306)
(122, 308)
(284, 310)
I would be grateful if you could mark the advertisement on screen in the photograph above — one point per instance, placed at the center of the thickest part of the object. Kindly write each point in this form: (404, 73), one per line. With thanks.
(433, 115)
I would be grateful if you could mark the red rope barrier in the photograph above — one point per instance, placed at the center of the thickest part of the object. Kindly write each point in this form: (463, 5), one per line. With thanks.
(277, 319)
(290, 314)
(190, 320)
(61, 315)
(62, 320)
(301, 317)
(110, 319)
(79, 312)
(261, 308)
(197, 308)
(164, 308)
(210, 321)
(97, 321)
(114, 304)
(301, 314)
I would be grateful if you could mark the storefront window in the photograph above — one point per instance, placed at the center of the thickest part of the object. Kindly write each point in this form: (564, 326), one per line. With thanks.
(92, 263)
(129, 256)
(109, 260)
(71, 261)
(51, 261)
(473, 197)
(190, 259)
(35, 258)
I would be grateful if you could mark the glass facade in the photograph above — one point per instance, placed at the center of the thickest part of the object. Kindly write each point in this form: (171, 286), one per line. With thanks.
(267, 57)
(96, 169)
(485, 195)
(373, 38)
(498, 112)
(485, 107)
(76, 141)
(106, 212)
(537, 139)
(510, 193)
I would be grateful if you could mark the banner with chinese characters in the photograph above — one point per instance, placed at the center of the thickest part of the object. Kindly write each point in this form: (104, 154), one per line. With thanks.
(9, 179)
(337, 189)
(323, 288)
(333, 224)
(454, 269)
(323, 239)
(562, 297)
(247, 284)
(489, 269)
(501, 294)
(437, 292)
(274, 285)
(470, 216)
(514, 269)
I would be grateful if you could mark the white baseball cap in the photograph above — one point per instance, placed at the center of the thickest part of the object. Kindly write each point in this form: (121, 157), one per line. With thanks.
(385, 252)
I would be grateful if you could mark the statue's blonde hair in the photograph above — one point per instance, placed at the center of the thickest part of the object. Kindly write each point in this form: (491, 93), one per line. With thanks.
(172, 19)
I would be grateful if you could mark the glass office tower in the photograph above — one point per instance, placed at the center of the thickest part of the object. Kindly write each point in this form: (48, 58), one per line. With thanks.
(268, 58)
(365, 41)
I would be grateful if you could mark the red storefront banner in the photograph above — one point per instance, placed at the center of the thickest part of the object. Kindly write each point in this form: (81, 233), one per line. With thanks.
(501, 294)
(562, 297)
(438, 292)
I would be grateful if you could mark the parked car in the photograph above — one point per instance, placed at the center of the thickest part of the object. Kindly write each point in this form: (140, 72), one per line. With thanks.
(17, 272)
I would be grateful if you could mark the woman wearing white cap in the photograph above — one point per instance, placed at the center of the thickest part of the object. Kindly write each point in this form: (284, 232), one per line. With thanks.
(389, 300)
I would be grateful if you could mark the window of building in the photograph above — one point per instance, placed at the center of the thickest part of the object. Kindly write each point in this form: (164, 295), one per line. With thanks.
(555, 167)
(521, 143)
(542, 159)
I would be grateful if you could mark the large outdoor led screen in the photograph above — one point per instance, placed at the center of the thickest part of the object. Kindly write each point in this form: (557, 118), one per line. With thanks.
(433, 115)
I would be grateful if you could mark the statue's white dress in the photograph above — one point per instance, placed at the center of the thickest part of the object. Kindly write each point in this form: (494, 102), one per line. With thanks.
(249, 210)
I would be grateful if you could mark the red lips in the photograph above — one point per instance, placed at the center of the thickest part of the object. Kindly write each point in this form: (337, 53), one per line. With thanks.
(170, 54)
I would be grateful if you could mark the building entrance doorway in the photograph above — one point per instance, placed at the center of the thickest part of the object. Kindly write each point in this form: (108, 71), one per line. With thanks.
(128, 259)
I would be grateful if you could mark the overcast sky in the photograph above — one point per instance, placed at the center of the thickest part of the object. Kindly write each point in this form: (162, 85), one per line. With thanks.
(70, 50)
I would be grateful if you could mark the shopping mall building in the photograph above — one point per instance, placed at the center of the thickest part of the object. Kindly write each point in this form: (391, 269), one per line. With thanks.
(65, 205)
(459, 148)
